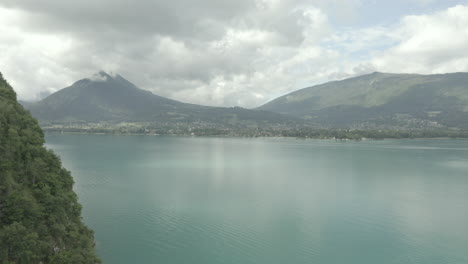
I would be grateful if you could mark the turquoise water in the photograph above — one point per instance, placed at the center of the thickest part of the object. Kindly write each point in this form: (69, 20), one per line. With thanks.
(168, 200)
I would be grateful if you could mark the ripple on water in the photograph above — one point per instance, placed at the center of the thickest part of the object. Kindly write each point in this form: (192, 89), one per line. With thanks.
(320, 202)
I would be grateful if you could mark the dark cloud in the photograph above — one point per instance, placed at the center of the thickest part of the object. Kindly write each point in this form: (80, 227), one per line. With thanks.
(181, 39)
(179, 19)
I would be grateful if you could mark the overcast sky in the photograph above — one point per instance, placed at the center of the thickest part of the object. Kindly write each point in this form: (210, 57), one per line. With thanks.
(226, 52)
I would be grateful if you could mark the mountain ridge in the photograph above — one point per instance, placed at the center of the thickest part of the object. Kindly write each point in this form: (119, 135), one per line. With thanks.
(372, 101)
(114, 99)
(439, 100)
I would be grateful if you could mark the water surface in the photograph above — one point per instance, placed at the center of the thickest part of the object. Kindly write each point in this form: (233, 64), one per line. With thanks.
(177, 200)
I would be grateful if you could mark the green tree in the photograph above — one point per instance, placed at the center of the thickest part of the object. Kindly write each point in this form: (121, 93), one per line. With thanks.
(40, 217)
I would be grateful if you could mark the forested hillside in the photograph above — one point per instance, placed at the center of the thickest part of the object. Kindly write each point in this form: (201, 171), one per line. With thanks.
(40, 217)
(382, 101)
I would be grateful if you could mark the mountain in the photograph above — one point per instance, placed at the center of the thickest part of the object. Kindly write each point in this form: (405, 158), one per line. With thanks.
(40, 217)
(382, 100)
(105, 97)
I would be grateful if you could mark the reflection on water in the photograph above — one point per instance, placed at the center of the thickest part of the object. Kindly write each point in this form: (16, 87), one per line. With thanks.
(223, 200)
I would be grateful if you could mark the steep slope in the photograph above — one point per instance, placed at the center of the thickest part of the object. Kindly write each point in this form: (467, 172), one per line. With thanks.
(382, 99)
(40, 218)
(114, 99)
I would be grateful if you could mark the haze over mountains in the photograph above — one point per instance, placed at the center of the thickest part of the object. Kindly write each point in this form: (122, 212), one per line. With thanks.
(377, 100)
(111, 98)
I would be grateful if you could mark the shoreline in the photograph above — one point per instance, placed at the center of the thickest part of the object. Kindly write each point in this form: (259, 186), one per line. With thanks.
(250, 137)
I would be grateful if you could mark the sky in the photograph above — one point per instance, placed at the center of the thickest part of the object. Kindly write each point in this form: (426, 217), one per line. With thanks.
(224, 52)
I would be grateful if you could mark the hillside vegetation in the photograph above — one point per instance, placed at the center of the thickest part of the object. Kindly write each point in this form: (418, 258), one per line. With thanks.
(382, 100)
(40, 218)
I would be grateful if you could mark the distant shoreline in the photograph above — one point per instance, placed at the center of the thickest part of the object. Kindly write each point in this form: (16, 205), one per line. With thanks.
(249, 137)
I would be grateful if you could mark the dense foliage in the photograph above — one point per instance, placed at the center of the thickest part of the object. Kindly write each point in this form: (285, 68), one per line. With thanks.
(40, 218)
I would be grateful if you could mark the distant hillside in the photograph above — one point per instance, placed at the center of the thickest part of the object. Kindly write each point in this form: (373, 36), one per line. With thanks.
(114, 99)
(382, 100)
(40, 217)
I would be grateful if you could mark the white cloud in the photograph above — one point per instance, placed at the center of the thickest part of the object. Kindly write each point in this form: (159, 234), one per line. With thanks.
(30, 60)
(434, 43)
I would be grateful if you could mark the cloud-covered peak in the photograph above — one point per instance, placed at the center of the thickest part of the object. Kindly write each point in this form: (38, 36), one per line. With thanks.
(100, 76)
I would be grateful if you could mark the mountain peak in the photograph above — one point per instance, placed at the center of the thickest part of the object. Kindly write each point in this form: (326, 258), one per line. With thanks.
(102, 76)
(108, 97)
(103, 79)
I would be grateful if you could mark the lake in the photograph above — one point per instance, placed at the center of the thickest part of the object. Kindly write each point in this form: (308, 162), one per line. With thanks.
(174, 200)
